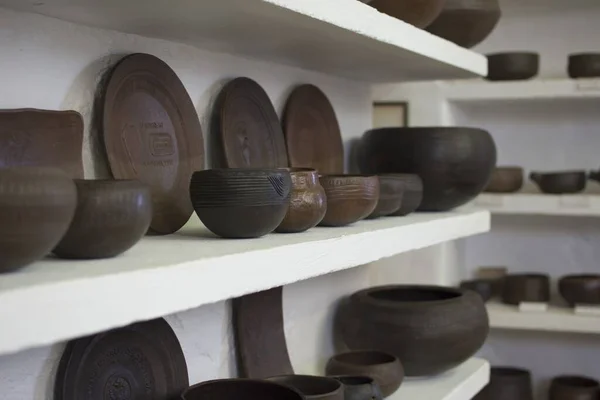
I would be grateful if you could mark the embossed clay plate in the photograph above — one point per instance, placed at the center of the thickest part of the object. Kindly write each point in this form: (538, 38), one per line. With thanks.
(152, 134)
(312, 132)
(42, 138)
(246, 122)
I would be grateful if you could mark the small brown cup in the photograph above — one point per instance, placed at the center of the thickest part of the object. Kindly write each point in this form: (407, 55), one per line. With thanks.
(308, 202)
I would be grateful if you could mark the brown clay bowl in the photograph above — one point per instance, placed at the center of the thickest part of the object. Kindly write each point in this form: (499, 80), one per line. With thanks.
(483, 287)
(36, 208)
(350, 198)
(412, 196)
(312, 387)
(111, 216)
(505, 180)
(240, 389)
(507, 383)
(526, 288)
(308, 202)
(580, 289)
(382, 367)
(564, 182)
(584, 65)
(512, 66)
(391, 191)
(574, 388)
(419, 13)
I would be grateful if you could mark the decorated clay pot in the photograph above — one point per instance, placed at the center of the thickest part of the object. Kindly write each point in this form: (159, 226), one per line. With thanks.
(308, 202)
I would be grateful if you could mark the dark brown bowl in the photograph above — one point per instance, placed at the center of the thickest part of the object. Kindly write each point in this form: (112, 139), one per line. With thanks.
(350, 198)
(382, 367)
(526, 288)
(391, 191)
(419, 13)
(580, 289)
(584, 65)
(513, 66)
(505, 180)
(359, 387)
(560, 182)
(312, 387)
(240, 389)
(111, 216)
(483, 287)
(574, 388)
(412, 196)
(507, 383)
(308, 202)
(36, 208)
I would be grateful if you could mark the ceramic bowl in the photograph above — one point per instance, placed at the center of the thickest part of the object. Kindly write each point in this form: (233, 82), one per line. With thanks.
(36, 208)
(350, 198)
(384, 368)
(483, 287)
(574, 388)
(584, 65)
(111, 216)
(526, 288)
(580, 289)
(308, 202)
(507, 383)
(566, 182)
(241, 203)
(240, 389)
(412, 196)
(454, 163)
(359, 387)
(513, 66)
(505, 180)
(391, 191)
(431, 329)
(312, 387)
(419, 13)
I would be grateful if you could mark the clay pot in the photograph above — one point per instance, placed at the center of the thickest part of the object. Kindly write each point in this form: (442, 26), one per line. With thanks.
(574, 388)
(513, 66)
(466, 22)
(594, 176)
(580, 289)
(240, 389)
(419, 13)
(308, 202)
(111, 216)
(350, 198)
(359, 387)
(391, 191)
(312, 387)
(505, 180)
(36, 208)
(385, 369)
(454, 163)
(560, 182)
(431, 329)
(584, 65)
(483, 287)
(412, 196)
(241, 203)
(526, 288)
(507, 384)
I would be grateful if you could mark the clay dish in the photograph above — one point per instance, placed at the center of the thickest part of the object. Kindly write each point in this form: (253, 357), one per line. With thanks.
(308, 202)
(512, 66)
(312, 387)
(574, 388)
(391, 191)
(505, 180)
(507, 383)
(350, 198)
(419, 13)
(584, 65)
(359, 387)
(526, 288)
(483, 287)
(566, 182)
(111, 216)
(580, 289)
(240, 389)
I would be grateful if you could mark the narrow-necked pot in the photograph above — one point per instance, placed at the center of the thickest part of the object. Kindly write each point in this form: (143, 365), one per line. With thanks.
(240, 389)
(580, 289)
(507, 383)
(312, 387)
(513, 66)
(350, 198)
(526, 288)
(505, 180)
(308, 202)
(358, 387)
(574, 388)
(565, 182)
(483, 287)
(584, 65)
(391, 192)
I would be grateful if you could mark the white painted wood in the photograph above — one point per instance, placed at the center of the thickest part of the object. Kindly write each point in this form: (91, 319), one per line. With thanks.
(582, 205)
(529, 307)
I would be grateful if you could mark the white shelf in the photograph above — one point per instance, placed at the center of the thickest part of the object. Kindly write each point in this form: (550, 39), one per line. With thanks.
(340, 37)
(462, 383)
(54, 300)
(585, 205)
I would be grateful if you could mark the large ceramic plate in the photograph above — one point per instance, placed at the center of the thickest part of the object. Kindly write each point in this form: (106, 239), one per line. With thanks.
(152, 133)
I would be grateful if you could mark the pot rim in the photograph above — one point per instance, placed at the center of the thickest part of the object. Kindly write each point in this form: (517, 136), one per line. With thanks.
(235, 380)
(366, 295)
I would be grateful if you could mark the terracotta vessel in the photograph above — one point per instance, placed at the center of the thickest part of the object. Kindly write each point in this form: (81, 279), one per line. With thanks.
(359, 387)
(240, 389)
(526, 288)
(455, 163)
(584, 65)
(312, 387)
(36, 208)
(419, 13)
(483, 287)
(111, 216)
(412, 195)
(431, 329)
(505, 180)
(574, 388)
(350, 198)
(241, 203)
(385, 369)
(513, 66)
(391, 191)
(308, 202)
(560, 182)
(507, 384)
(580, 289)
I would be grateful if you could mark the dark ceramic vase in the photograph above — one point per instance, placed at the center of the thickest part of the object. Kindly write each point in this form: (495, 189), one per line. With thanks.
(567, 182)
(111, 216)
(391, 191)
(359, 387)
(580, 289)
(512, 66)
(431, 329)
(36, 208)
(526, 288)
(350, 198)
(584, 65)
(240, 389)
(308, 202)
(419, 13)
(385, 369)
(574, 388)
(507, 384)
(412, 196)
(454, 163)
(312, 387)
(483, 287)
(505, 180)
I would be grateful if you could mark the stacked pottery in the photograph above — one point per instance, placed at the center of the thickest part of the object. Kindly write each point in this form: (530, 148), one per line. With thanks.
(350, 198)
(308, 202)
(507, 383)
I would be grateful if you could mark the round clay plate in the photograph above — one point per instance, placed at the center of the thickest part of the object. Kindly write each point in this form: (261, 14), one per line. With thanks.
(248, 126)
(140, 361)
(312, 133)
(152, 133)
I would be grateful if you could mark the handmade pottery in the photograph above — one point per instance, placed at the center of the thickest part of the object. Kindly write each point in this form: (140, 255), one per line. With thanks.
(584, 65)
(560, 182)
(412, 194)
(507, 384)
(580, 289)
(483, 287)
(512, 66)
(385, 369)
(466, 22)
(431, 329)
(594, 176)
(350, 198)
(36, 208)
(240, 389)
(359, 387)
(312, 387)
(574, 388)
(505, 180)
(111, 216)
(241, 203)
(455, 163)
(419, 13)
(391, 191)
(526, 288)
(308, 202)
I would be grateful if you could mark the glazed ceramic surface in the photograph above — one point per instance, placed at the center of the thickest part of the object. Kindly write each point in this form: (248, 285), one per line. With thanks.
(505, 180)
(359, 387)
(350, 198)
(526, 288)
(507, 384)
(512, 66)
(566, 182)
(584, 65)
(308, 202)
(483, 287)
(240, 389)
(419, 13)
(391, 191)
(580, 289)
(312, 387)
(574, 388)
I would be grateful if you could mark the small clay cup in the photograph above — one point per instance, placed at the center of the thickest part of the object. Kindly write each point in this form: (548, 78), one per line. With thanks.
(350, 198)
(312, 387)
(359, 387)
(36, 208)
(560, 182)
(507, 383)
(240, 389)
(308, 202)
(574, 388)
(584, 65)
(483, 287)
(505, 180)
(111, 216)
(412, 196)
(385, 369)
(526, 288)
(512, 66)
(391, 191)
(580, 289)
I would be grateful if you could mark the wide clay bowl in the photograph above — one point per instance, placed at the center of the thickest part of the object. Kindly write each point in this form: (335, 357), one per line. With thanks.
(111, 216)
(584, 65)
(512, 66)
(36, 208)
(391, 191)
(507, 383)
(431, 329)
(419, 13)
(312, 387)
(580, 289)
(505, 180)
(308, 202)
(350, 198)
(526, 288)
(560, 182)
(385, 369)
(574, 388)
(454, 163)
(359, 387)
(483, 287)
(466, 22)
(412, 195)
(241, 203)
(240, 389)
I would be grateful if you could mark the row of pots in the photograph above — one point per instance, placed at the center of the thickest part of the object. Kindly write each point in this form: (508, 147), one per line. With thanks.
(521, 65)
(510, 180)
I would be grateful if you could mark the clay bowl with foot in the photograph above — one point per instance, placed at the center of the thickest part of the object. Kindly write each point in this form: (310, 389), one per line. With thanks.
(240, 389)
(350, 198)
(308, 202)
(580, 289)
(312, 387)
